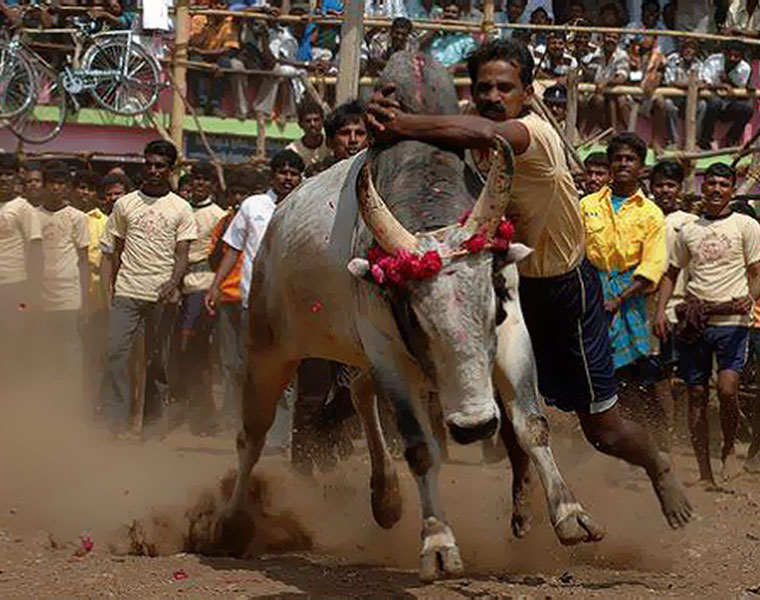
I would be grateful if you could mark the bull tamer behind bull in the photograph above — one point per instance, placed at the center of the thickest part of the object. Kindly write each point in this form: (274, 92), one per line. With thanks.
(560, 292)
(435, 327)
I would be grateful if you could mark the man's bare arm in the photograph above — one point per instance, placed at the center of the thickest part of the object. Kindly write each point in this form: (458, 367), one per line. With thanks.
(169, 291)
(667, 284)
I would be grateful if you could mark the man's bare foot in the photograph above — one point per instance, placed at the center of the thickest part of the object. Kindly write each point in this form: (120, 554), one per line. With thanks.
(752, 464)
(730, 467)
(675, 505)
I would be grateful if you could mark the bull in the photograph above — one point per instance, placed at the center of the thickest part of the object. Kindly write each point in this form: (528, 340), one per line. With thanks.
(311, 296)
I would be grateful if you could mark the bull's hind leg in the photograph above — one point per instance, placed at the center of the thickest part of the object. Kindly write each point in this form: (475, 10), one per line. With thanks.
(384, 486)
(515, 377)
(266, 379)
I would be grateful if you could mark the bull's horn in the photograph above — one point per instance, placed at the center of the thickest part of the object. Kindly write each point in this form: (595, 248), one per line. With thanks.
(391, 235)
(490, 207)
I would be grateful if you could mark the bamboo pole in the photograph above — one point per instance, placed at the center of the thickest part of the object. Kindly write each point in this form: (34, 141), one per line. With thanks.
(182, 36)
(349, 59)
(692, 97)
(571, 119)
(487, 25)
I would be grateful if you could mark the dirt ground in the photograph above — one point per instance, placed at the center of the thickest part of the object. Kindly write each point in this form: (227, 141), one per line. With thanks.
(75, 506)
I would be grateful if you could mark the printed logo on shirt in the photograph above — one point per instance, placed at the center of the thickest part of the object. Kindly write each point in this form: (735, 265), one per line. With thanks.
(712, 248)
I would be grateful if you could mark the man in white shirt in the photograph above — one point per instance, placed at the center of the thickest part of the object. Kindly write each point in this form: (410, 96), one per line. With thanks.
(20, 265)
(244, 235)
(610, 66)
(152, 229)
(195, 324)
(726, 71)
(65, 283)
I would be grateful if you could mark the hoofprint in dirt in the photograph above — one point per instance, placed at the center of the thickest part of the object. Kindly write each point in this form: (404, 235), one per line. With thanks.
(55, 496)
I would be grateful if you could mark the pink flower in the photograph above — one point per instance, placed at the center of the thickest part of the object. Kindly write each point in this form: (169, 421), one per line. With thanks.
(375, 253)
(179, 575)
(315, 306)
(500, 244)
(430, 264)
(377, 274)
(475, 243)
(87, 542)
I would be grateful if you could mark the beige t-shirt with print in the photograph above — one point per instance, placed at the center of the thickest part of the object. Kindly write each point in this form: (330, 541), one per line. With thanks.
(717, 253)
(199, 274)
(19, 225)
(310, 156)
(64, 233)
(150, 227)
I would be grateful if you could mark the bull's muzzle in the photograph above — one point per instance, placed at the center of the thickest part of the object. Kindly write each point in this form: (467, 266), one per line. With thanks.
(468, 428)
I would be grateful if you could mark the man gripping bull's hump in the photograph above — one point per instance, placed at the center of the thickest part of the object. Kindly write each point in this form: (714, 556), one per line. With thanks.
(560, 292)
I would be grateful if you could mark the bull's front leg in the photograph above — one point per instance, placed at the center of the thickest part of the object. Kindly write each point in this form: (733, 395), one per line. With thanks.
(516, 380)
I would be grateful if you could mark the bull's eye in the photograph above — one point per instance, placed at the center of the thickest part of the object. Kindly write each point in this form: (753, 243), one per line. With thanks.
(450, 271)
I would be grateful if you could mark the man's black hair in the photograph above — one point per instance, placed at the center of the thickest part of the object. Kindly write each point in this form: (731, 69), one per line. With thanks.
(523, 2)
(506, 50)
(245, 178)
(287, 158)
(32, 165)
(89, 178)
(596, 159)
(183, 180)
(8, 162)
(733, 45)
(630, 139)
(162, 148)
(348, 112)
(401, 23)
(667, 169)
(116, 179)
(720, 169)
(309, 106)
(205, 169)
(56, 170)
(646, 3)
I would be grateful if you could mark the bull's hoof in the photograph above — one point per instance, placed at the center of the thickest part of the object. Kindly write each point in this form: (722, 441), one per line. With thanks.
(440, 554)
(576, 526)
(520, 524)
(386, 500)
(233, 532)
(468, 435)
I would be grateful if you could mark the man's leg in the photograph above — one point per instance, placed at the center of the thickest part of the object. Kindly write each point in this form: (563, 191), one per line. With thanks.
(231, 358)
(159, 324)
(713, 110)
(124, 321)
(199, 83)
(239, 85)
(738, 113)
(219, 86)
(670, 108)
(198, 361)
(699, 396)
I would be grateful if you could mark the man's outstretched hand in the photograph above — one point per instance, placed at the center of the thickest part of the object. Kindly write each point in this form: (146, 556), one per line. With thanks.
(382, 111)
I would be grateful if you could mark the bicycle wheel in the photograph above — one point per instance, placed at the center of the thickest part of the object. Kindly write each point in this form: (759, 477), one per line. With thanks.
(135, 80)
(45, 121)
(16, 82)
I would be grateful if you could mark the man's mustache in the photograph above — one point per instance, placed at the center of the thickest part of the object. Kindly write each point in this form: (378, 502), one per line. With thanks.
(494, 107)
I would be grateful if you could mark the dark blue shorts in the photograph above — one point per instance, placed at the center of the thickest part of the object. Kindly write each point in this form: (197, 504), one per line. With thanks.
(192, 312)
(568, 330)
(728, 343)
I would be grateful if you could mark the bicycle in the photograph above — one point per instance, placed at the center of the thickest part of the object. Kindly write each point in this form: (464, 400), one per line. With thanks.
(35, 98)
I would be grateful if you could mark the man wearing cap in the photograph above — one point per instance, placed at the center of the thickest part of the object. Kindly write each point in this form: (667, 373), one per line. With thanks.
(555, 98)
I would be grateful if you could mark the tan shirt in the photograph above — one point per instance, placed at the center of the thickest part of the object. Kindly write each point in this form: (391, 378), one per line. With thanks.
(544, 204)
(717, 253)
(200, 276)
(64, 233)
(674, 222)
(310, 156)
(150, 228)
(19, 225)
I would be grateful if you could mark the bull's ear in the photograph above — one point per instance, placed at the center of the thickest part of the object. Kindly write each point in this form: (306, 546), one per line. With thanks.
(358, 267)
(516, 252)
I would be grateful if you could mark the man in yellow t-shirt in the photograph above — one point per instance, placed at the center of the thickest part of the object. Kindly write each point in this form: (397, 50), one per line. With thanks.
(721, 251)
(152, 231)
(195, 324)
(560, 292)
(65, 282)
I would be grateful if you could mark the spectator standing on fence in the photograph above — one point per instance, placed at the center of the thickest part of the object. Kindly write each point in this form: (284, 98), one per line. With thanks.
(553, 59)
(20, 268)
(724, 72)
(423, 10)
(597, 172)
(583, 51)
(152, 229)
(650, 19)
(216, 39)
(679, 67)
(65, 284)
(721, 251)
(384, 44)
(666, 180)
(450, 48)
(243, 236)
(194, 324)
(513, 15)
(625, 241)
(312, 145)
(610, 67)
